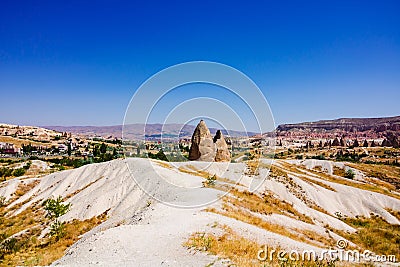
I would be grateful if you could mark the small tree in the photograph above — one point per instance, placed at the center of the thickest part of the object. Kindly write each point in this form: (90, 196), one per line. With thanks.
(69, 149)
(55, 208)
(103, 148)
(355, 143)
(95, 151)
(365, 144)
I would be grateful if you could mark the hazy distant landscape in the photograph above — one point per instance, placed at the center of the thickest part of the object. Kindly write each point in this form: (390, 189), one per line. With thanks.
(138, 131)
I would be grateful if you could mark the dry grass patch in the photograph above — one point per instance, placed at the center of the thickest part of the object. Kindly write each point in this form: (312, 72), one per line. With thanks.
(27, 249)
(21, 190)
(252, 167)
(240, 251)
(24, 188)
(19, 235)
(318, 168)
(274, 171)
(382, 183)
(73, 229)
(299, 170)
(190, 169)
(387, 173)
(374, 234)
(321, 184)
(281, 175)
(339, 171)
(199, 172)
(30, 217)
(275, 228)
(266, 204)
(164, 164)
(377, 170)
(245, 207)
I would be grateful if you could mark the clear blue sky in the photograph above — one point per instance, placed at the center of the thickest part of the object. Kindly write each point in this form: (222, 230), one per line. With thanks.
(79, 62)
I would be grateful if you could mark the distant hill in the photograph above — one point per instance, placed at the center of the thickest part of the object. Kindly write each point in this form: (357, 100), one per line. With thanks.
(135, 131)
(345, 124)
(31, 132)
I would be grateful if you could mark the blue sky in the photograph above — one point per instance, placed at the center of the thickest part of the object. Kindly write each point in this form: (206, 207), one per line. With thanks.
(79, 62)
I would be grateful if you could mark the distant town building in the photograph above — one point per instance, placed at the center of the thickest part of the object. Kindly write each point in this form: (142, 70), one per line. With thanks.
(62, 147)
(11, 149)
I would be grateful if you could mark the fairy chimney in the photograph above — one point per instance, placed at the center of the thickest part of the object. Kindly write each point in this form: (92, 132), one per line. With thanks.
(222, 153)
(206, 148)
(203, 147)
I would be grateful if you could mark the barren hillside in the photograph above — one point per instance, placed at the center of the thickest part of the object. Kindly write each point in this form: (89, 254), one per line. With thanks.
(299, 205)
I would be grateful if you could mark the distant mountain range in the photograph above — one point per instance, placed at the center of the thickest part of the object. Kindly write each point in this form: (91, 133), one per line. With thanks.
(135, 131)
(345, 124)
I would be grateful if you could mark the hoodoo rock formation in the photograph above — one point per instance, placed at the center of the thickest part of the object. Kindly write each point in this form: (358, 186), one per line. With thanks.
(206, 148)
(202, 147)
(222, 151)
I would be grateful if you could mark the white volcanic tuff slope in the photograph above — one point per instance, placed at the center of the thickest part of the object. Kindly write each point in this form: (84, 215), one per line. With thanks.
(347, 200)
(327, 166)
(154, 235)
(96, 188)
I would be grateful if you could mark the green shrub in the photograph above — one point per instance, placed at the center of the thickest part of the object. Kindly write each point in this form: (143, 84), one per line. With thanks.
(60, 167)
(9, 245)
(210, 180)
(160, 155)
(5, 172)
(320, 157)
(2, 201)
(28, 165)
(350, 174)
(19, 172)
(55, 208)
